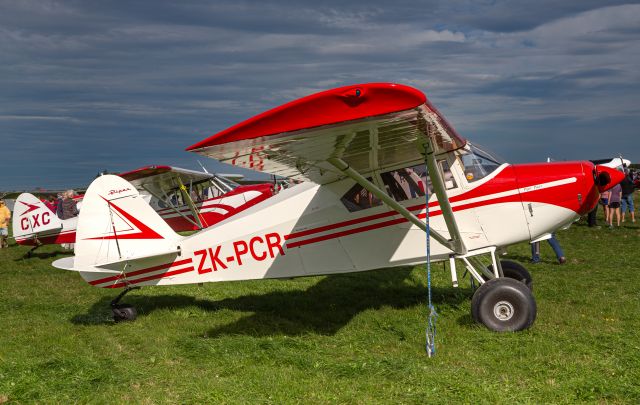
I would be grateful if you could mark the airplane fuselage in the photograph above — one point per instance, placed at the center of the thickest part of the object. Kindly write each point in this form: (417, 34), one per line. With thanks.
(312, 229)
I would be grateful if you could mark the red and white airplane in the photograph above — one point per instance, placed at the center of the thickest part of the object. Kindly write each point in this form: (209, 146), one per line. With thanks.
(34, 224)
(189, 200)
(362, 153)
(186, 199)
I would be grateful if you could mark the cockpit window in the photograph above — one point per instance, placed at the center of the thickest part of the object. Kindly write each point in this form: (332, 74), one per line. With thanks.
(477, 162)
(358, 198)
(449, 180)
(407, 183)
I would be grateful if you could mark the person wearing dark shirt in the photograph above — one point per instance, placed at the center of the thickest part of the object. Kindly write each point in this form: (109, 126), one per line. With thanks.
(69, 206)
(626, 203)
(52, 204)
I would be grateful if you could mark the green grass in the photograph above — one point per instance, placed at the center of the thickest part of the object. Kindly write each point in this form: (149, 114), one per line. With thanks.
(357, 338)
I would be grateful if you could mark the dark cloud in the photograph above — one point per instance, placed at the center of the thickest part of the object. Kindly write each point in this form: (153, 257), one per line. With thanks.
(93, 85)
(516, 16)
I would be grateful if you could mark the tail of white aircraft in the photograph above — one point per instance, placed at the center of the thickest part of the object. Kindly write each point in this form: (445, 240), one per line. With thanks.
(31, 218)
(117, 231)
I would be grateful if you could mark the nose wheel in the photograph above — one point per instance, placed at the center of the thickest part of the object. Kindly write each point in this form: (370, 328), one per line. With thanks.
(504, 304)
(123, 312)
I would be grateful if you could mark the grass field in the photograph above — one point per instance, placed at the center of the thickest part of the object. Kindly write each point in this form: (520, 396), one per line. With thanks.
(357, 338)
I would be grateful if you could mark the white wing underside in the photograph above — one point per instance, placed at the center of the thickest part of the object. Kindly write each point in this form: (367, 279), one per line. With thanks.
(376, 143)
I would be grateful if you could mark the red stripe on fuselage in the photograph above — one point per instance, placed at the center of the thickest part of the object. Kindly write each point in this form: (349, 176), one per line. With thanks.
(49, 239)
(153, 277)
(533, 196)
(345, 223)
(141, 271)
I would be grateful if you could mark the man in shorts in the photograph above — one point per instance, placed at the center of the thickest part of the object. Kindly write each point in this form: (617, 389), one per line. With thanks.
(5, 216)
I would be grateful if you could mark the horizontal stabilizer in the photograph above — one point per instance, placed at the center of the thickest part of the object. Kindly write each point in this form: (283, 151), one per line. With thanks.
(115, 267)
(67, 263)
(120, 264)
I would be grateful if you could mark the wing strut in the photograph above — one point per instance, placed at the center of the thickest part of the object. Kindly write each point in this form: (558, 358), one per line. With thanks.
(167, 201)
(441, 193)
(373, 189)
(192, 206)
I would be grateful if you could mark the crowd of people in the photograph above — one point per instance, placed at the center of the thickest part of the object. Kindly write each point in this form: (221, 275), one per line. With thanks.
(64, 205)
(617, 202)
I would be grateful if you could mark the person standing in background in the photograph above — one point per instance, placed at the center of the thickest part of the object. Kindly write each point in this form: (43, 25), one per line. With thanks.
(69, 206)
(626, 202)
(604, 200)
(555, 245)
(615, 196)
(5, 216)
(52, 204)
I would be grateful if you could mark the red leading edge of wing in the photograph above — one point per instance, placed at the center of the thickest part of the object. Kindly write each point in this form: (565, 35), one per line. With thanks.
(324, 108)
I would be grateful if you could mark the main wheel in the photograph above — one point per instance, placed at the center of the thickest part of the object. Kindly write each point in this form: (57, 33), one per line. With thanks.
(124, 312)
(504, 304)
(515, 271)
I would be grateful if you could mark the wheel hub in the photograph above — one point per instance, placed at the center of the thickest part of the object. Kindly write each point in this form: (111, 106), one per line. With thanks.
(503, 310)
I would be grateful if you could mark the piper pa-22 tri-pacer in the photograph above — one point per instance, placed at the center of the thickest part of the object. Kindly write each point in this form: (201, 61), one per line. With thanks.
(366, 155)
(186, 199)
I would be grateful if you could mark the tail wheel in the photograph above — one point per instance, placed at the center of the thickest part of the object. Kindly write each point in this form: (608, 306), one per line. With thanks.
(515, 271)
(504, 304)
(124, 312)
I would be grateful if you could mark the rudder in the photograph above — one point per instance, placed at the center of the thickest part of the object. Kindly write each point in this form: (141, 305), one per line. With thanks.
(31, 219)
(115, 223)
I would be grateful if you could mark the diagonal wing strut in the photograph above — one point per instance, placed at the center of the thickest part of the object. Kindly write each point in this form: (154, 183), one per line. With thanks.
(456, 243)
(167, 201)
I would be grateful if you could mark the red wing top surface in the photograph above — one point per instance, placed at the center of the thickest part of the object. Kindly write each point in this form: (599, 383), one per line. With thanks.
(369, 126)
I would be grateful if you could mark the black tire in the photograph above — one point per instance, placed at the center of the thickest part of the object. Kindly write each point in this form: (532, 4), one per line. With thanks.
(504, 305)
(124, 312)
(515, 271)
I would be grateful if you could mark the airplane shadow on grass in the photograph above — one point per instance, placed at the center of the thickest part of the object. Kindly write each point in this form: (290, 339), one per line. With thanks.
(324, 308)
(42, 255)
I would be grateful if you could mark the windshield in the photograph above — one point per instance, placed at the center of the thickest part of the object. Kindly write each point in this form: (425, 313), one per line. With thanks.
(223, 184)
(478, 162)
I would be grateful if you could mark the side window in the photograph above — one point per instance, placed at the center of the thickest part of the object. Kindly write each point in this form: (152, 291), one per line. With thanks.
(358, 198)
(407, 183)
(175, 197)
(449, 180)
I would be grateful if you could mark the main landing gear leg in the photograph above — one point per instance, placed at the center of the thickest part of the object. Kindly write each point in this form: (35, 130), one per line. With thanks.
(123, 312)
(30, 252)
(504, 301)
(37, 245)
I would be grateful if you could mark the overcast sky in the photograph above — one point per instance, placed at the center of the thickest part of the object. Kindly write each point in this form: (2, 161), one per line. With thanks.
(116, 85)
